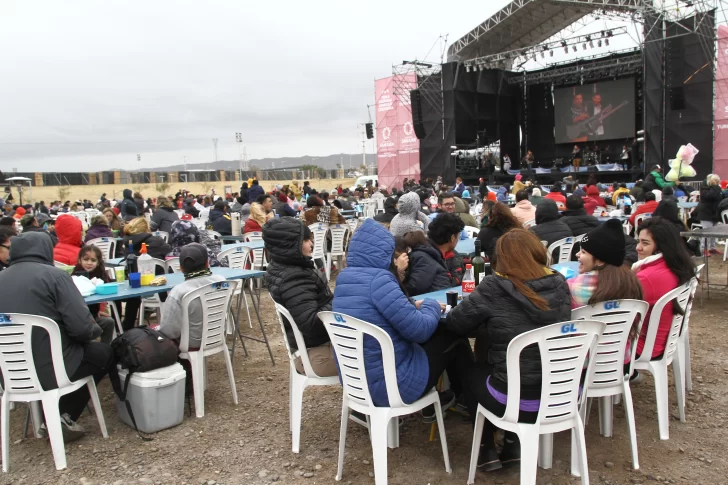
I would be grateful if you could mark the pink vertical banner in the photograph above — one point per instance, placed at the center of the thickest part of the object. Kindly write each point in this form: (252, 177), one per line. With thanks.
(398, 149)
(720, 142)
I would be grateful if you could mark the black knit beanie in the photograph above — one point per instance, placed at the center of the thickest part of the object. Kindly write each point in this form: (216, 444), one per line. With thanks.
(606, 242)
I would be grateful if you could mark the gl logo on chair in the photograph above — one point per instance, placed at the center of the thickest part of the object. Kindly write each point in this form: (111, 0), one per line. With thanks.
(568, 328)
(4, 318)
(339, 318)
(611, 305)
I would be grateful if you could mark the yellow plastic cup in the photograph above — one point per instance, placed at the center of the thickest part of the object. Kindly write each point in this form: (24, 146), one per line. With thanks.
(119, 270)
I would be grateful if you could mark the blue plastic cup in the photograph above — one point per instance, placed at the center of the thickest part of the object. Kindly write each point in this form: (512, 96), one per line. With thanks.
(135, 280)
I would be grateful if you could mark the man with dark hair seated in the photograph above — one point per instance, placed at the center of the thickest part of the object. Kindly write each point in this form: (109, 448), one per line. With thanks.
(433, 262)
(576, 218)
(647, 208)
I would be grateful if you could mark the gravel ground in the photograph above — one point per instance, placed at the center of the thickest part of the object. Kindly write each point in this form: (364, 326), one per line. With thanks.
(250, 443)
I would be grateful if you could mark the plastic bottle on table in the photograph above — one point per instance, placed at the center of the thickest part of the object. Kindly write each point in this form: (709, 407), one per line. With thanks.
(146, 266)
(468, 280)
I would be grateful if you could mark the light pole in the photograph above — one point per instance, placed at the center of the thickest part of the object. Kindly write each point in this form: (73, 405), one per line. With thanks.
(239, 140)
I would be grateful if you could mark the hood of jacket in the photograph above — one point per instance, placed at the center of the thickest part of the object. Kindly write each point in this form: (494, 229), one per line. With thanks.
(68, 230)
(461, 207)
(372, 246)
(575, 212)
(592, 191)
(550, 287)
(546, 211)
(127, 193)
(524, 204)
(283, 238)
(33, 247)
(215, 213)
(409, 205)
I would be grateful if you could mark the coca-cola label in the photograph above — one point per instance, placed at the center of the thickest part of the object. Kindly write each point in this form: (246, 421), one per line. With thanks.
(468, 286)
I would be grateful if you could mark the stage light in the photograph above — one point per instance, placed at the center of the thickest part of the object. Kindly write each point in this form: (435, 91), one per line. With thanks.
(591, 44)
(606, 42)
(609, 33)
(573, 47)
(543, 55)
(563, 43)
(467, 68)
(566, 50)
(599, 43)
(583, 46)
(551, 53)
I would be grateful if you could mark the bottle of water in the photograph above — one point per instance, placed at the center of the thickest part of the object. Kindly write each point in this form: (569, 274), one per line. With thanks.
(468, 284)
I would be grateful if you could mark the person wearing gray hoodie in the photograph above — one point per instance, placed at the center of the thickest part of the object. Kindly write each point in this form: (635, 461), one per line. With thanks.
(409, 213)
(128, 207)
(33, 285)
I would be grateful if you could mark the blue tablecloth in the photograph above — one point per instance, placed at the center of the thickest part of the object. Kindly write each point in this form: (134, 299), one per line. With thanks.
(251, 245)
(687, 205)
(606, 218)
(466, 247)
(173, 280)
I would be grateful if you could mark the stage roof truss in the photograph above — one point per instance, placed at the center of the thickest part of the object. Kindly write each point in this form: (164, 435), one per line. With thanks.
(574, 73)
(428, 82)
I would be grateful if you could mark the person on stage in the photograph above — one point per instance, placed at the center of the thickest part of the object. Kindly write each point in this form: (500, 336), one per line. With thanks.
(626, 158)
(528, 162)
(506, 166)
(576, 157)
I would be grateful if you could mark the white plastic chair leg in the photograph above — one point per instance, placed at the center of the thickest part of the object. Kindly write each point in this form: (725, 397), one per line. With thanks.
(342, 438)
(36, 416)
(580, 464)
(475, 448)
(97, 406)
(605, 416)
(529, 453)
(678, 375)
(379, 423)
(198, 383)
(629, 414)
(545, 451)
(659, 372)
(443, 438)
(327, 263)
(685, 357)
(5, 431)
(393, 433)
(53, 425)
(231, 375)
(296, 408)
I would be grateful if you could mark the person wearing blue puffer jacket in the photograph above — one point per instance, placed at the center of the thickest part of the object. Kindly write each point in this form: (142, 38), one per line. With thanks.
(368, 289)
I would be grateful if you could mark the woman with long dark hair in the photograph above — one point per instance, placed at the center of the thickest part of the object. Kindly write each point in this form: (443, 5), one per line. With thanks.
(500, 221)
(664, 264)
(522, 294)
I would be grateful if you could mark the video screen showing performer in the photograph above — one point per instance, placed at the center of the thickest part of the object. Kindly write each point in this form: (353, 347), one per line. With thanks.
(599, 111)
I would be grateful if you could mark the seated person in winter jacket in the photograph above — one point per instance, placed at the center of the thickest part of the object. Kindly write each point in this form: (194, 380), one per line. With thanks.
(433, 263)
(390, 210)
(294, 282)
(447, 202)
(523, 210)
(410, 217)
(164, 216)
(522, 294)
(99, 228)
(68, 232)
(500, 221)
(577, 218)
(32, 285)
(222, 223)
(368, 289)
(196, 268)
(32, 223)
(282, 208)
(548, 226)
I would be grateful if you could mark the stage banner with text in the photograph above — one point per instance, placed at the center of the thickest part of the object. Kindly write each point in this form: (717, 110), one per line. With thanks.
(720, 145)
(398, 149)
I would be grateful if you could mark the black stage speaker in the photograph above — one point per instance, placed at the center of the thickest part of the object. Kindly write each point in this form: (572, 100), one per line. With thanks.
(416, 104)
(677, 98)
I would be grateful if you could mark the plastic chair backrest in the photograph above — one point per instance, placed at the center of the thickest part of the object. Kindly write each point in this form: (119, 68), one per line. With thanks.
(724, 216)
(215, 235)
(16, 353)
(319, 231)
(353, 224)
(380, 204)
(598, 210)
(338, 238)
(619, 317)
(638, 219)
(105, 244)
(347, 337)
(238, 257)
(215, 299)
(679, 296)
(689, 309)
(563, 246)
(163, 234)
(471, 231)
(173, 265)
(563, 347)
(282, 313)
(258, 254)
(529, 223)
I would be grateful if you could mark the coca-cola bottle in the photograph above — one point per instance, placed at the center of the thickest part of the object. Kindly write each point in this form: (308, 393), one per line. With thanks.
(468, 280)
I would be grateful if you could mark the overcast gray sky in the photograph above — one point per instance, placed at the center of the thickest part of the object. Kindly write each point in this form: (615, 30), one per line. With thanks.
(86, 85)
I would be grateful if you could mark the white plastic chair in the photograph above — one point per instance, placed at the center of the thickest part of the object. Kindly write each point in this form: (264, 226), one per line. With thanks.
(215, 299)
(338, 241)
(683, 349)
(563, 246)
(163, 234)
(638, 219)
(529, 223)
(658, 367)
(298, 383)
(173, 265)
(724, 218)
(609, 376)
(319, 231)
(563, 348)
(353, 224)
(153, 301)
(347, 337)
(259, 260)
(22, 384)
(380, 205)
(215, 235)
(105, 244)
(471, 231)
(239, 258)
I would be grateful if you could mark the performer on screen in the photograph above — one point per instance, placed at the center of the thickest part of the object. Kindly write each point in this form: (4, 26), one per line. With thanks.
(595, 109)
(576, 157)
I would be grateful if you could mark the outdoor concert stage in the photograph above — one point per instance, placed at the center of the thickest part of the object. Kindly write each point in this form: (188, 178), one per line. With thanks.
(652, 98)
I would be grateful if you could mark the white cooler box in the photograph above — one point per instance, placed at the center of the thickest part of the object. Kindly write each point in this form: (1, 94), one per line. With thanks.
(157, 398)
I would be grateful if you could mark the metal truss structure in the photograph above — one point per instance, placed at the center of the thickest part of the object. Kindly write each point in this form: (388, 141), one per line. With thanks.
(428, 79)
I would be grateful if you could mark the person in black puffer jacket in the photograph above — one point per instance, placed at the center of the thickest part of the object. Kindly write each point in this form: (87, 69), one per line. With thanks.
(500, 221)
(427, 270)
(221, 223)
(164, 216)
(548, 226)
(521, 295)
(390, 210)
(127, 206)
(294, 282)
(707, 210)
(576, 218)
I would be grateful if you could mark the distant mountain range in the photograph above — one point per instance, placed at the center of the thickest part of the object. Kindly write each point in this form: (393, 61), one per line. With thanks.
(328, 162)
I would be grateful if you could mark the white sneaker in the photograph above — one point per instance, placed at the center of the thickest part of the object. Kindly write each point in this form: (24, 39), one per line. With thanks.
(71, 429)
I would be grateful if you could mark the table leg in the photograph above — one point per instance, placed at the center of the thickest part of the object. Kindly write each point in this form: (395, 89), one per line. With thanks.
(260, 321)
(117, 317)
(706, 258)
(236, 324)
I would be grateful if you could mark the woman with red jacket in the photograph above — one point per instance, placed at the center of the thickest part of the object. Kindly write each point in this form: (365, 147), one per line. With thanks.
(592, 200)
(664, 264)
(68, 232)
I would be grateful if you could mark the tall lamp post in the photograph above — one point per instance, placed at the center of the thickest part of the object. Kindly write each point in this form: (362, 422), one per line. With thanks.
(239, 140)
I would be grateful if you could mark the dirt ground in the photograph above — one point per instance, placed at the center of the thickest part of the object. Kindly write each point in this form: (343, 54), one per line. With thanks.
(250, 443)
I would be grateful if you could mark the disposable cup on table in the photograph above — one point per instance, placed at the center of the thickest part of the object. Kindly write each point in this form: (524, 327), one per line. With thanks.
(135, 280)
(119, 270)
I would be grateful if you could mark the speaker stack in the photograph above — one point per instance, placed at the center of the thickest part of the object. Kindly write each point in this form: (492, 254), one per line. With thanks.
(417, 122)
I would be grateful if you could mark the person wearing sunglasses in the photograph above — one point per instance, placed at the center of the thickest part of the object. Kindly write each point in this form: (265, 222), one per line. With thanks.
(5, 234)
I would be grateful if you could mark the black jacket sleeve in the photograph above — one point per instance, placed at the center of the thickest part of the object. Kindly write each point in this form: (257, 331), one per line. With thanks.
(472, 312)
(425, 276)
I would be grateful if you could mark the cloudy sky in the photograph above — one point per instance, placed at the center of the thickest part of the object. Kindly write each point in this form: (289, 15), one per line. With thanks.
(86, 85)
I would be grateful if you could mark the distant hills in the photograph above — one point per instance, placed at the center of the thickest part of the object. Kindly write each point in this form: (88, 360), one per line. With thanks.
(328, 162)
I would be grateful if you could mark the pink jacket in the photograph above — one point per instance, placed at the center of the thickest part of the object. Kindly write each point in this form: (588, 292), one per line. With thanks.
(657, 280)
(524, 211)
